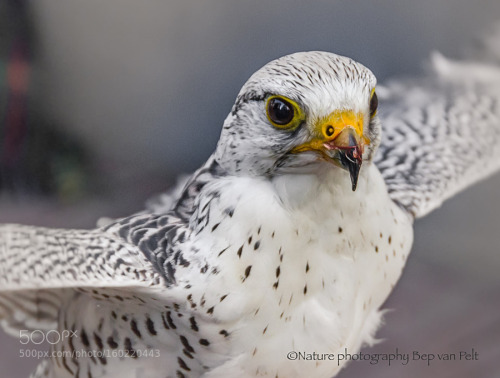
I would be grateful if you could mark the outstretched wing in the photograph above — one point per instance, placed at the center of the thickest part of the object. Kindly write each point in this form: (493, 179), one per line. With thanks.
(36, 257)
(143, 254)
(440, 134)
(41, 267)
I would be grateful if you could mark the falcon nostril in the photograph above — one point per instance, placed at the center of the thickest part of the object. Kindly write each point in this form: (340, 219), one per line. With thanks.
(329, 131)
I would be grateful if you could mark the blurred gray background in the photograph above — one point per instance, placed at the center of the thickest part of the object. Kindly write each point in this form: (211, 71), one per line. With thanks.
(143, 88)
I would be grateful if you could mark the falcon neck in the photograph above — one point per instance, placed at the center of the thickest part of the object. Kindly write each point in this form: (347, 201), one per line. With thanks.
(329, 186)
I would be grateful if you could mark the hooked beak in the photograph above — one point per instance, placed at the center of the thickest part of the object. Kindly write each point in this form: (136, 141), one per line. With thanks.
(339, 139)
(349, 153)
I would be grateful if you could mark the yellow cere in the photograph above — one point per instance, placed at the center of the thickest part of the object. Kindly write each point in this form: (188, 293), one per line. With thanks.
(339, 120)
(330, 127)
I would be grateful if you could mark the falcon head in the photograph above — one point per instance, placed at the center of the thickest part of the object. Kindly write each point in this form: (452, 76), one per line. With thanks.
(299, 112)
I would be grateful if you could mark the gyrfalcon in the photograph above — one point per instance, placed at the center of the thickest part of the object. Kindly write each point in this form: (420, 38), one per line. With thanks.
(289, 238)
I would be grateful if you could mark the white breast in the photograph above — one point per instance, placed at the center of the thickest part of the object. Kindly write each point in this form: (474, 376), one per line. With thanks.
(308, 264)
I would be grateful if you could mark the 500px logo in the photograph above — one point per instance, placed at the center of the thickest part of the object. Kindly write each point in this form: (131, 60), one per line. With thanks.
(38, 336)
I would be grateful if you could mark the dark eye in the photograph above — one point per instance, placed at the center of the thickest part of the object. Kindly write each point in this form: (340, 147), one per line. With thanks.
(373, 104)
(280, 111)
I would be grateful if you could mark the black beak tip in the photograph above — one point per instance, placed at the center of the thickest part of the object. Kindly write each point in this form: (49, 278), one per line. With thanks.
(354, 172)
(352, 164)
(354, 184)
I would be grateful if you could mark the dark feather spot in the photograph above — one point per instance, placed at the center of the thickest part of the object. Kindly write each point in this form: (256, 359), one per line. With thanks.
(112, 343)
(85, 339)
(150, 326)
(194, 325)
(182, 364)
(170, 321)
(164, 321)
(133, 327)
(204, 342)
(221, 252)
(186, 344)
(98, 341)
(128, 347)
(247, 271)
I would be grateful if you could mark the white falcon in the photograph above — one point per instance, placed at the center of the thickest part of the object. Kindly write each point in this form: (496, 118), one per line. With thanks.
(289, 238)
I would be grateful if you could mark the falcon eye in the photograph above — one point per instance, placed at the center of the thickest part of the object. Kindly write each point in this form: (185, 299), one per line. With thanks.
(284, 113)
(279, 111)
(373, 104)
